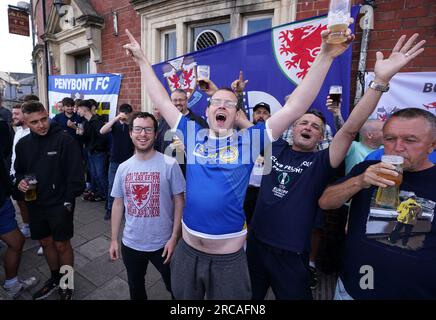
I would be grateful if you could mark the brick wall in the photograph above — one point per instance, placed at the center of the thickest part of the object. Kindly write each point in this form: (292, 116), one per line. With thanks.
(114, 59)
(392, 18)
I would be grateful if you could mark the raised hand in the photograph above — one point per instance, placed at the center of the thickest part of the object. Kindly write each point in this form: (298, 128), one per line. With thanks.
(335, 49)
(401, 54)
(239, 84)
(133, 49)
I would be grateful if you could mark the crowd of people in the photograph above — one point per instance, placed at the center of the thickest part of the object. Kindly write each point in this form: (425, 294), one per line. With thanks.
(225, 208)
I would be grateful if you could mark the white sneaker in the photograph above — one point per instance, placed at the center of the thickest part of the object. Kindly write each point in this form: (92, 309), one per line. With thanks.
(22, 284)
(25, 230)
(40, 251)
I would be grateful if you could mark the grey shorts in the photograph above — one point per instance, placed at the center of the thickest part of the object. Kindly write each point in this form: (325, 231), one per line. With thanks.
(196, 275)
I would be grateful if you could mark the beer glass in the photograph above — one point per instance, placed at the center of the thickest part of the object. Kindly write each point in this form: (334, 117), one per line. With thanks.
(338, 19)
(30, 194)
(79, 130)
(335, 93)
(203, 72)
(389, 196)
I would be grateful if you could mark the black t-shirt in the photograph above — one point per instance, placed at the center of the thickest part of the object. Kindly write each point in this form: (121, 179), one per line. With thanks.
(404, 268)
(288, 197)
(122, 146)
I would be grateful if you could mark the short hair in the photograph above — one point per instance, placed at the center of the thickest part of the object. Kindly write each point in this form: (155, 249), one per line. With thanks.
(67, 101)
(85, 103)
(318, 114)
(76, 102)
(227, 89)
(413, 113)
(16, 106)
(143, 115)
(93, 102)
(32, 106)
(126, 108)
(29, 97)
(180, 91)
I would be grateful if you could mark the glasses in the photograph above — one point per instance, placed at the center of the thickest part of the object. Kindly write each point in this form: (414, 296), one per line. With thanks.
(225, 103)
(138, 129)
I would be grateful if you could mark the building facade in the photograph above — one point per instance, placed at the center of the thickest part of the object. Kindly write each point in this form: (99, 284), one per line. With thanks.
(86, 36)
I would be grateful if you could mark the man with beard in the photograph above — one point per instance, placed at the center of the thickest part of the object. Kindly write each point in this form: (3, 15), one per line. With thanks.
(149, 189)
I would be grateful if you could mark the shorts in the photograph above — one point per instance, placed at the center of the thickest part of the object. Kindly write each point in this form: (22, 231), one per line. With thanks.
(55, 221)
(7, 217)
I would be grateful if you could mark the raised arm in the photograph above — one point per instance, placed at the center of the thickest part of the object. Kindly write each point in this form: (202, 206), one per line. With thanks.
(335, 196)
(384, 70)
(153, 86)
(304, 95)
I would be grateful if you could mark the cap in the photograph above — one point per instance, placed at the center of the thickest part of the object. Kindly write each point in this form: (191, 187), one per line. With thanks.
(262, 105)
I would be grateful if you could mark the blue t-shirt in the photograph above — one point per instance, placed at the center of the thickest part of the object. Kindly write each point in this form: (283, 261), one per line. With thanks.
(377, 154)
(288, 198)
(121, 145)
(403, 267)
(217, 175)
(62, 120)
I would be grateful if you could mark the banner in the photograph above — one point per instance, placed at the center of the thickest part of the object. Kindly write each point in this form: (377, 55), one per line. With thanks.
(103, 88)
(274, 61)
(406, 90)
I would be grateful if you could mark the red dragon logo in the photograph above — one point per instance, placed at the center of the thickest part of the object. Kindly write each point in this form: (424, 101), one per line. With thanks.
(302, 45)
(429, 106)
(181, 74)
(141, 194)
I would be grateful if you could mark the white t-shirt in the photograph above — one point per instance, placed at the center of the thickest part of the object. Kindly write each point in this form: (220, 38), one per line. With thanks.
(18, 135)
(147, 188)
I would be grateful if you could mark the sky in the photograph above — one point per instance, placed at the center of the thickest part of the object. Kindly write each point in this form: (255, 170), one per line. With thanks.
(16, 50)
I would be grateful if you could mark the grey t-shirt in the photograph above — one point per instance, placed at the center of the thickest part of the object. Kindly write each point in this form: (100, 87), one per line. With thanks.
(147, 188)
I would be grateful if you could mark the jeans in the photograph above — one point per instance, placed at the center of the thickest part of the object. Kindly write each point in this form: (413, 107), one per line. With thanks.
(136, 263)
(97, 169)
(340, 292)
(113, 166)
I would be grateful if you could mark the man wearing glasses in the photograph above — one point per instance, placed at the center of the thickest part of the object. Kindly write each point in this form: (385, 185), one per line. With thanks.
(210, 261)
(166, 141)
(149, 189)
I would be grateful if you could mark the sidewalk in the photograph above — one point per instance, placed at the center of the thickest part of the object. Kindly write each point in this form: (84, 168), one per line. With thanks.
(96, 276)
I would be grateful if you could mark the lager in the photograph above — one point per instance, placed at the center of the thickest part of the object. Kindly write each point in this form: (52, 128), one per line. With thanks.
(338, 33)
(337, 20)
(30, 194)
(390, 196)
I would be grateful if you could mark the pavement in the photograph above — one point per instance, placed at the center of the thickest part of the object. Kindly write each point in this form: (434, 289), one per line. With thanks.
(96, 277)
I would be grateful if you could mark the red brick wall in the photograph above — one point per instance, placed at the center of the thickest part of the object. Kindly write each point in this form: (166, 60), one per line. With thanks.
(392, 18)
(114, 59)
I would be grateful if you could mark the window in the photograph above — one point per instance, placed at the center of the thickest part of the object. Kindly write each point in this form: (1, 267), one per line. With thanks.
(168, 45)
(81, 63)
(257, 23)
(223, 29)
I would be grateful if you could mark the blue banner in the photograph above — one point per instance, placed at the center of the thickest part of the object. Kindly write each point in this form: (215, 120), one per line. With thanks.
(274, 61)
(104, 88)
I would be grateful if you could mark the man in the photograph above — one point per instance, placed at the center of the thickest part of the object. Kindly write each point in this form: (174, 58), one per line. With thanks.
(392, 270)
(261, 112)
(54, 158)
(17, 195)
(166, 141)
(67, 119)
(121, 149)
(279, 242)
(10, 234)
(210, 260)
(370, 139)
(96, 146)
(149, 188)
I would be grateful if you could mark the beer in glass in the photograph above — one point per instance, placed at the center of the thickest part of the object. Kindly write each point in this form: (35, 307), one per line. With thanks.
(30, 194)
(338, 19)
(389, 197)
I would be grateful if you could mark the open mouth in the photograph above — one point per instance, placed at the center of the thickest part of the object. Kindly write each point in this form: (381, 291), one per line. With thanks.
(220, 118)
(305, 136)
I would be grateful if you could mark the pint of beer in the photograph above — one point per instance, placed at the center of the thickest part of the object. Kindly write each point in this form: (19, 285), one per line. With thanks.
(338, 19)
(335, 93)
(30, 194)
(389, 196)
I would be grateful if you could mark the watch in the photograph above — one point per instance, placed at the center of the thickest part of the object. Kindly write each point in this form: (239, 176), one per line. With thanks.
(379, 87)
(68, 205)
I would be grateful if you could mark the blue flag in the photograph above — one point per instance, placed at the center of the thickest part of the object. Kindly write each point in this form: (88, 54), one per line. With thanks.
(274, 61)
